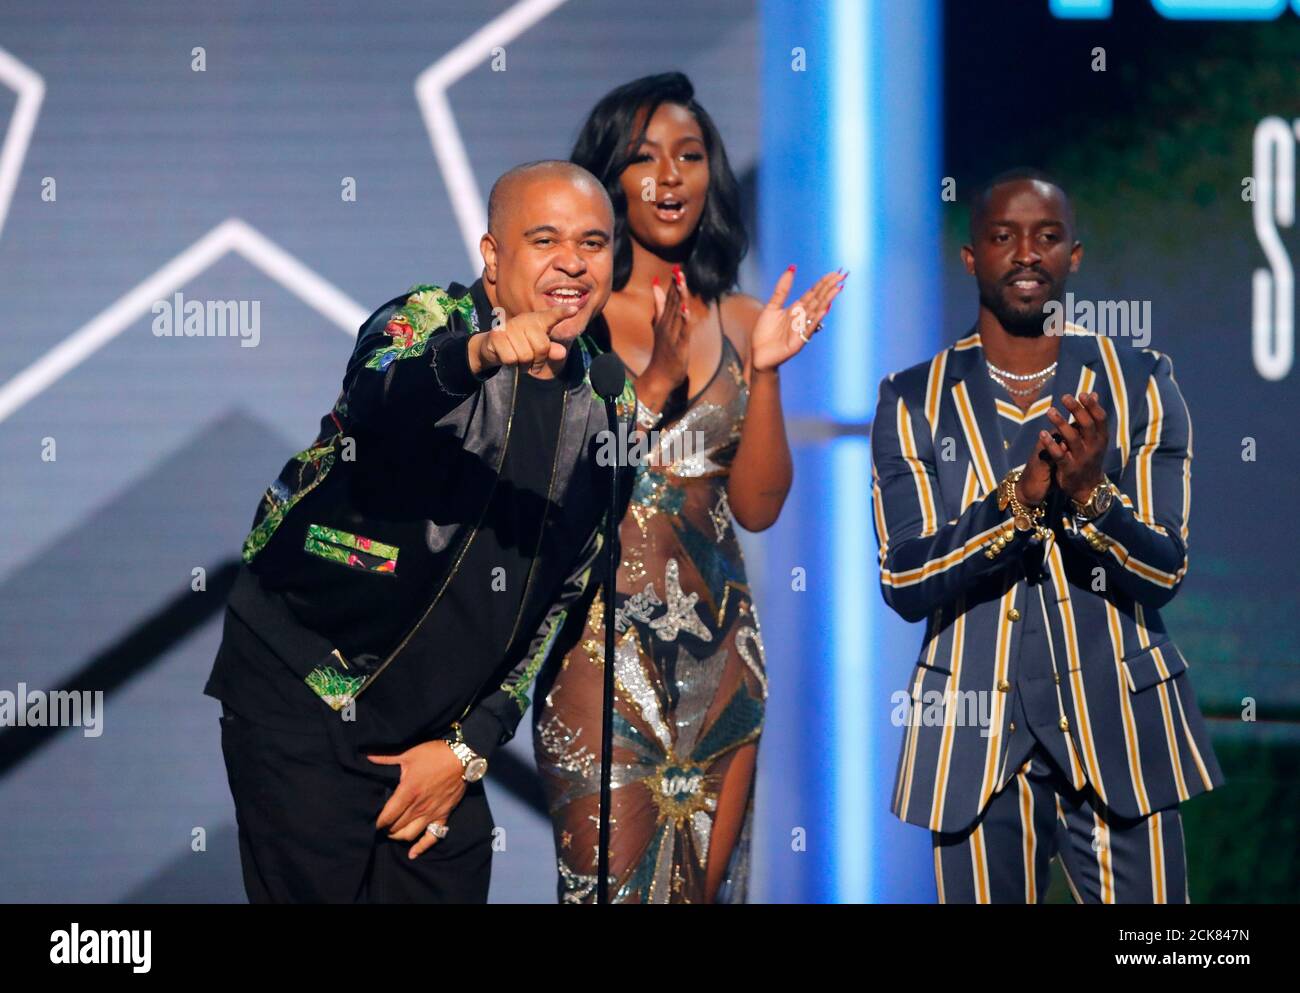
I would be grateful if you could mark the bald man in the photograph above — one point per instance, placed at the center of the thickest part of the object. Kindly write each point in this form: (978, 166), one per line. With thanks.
(407, 573)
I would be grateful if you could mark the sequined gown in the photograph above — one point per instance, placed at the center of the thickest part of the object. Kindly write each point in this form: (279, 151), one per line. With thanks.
(689, 668)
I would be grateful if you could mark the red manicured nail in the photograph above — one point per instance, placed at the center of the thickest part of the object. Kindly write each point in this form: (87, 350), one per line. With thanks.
(655, 281)
(791, 269)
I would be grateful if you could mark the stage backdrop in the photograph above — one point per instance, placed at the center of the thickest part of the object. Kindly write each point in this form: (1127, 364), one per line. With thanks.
(311, 161)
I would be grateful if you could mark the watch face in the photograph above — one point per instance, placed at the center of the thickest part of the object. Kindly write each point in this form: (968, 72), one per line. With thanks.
(476, 769)
(1102, 500)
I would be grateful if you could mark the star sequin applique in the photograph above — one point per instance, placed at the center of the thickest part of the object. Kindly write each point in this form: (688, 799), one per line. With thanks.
(680, 615)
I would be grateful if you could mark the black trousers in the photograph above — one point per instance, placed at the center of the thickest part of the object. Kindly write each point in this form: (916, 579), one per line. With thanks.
(307, 827)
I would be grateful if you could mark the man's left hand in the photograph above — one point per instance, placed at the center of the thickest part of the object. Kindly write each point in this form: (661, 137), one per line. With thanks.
(1078, 455)
(430, 787)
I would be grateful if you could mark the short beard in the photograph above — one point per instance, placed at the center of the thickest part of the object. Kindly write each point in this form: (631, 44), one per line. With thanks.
(1017, 323)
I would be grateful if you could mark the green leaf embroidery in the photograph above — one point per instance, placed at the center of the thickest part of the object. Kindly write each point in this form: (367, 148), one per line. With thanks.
(317, 460)
(332, 686)
(519, 689)
(427, 309)
(348, 540)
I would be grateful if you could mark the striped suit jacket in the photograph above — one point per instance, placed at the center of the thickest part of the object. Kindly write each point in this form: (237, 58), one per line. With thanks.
(1133, 729)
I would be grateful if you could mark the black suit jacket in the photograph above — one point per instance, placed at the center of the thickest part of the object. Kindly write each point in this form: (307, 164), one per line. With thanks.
(354, 543)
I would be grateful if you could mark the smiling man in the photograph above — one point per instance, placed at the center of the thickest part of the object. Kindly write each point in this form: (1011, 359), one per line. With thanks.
(407, 573)
(1038, 545)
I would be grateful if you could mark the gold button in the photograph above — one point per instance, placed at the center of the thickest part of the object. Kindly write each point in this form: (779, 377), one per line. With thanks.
(1013, 614)
(1012, 727)
(1056, 678)
(1003, 685)
(1065, 724)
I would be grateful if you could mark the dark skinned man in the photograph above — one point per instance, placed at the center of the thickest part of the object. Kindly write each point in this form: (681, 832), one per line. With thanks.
(407, 574)
(1032, 493)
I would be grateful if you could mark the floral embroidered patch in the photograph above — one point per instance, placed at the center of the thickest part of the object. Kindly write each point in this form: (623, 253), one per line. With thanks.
(518, 689)
(427, 309)
(350, 549)
(304, 473)
(332, 686)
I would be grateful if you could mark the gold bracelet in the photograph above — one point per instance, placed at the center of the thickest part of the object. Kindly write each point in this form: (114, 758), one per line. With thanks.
(1022, 518)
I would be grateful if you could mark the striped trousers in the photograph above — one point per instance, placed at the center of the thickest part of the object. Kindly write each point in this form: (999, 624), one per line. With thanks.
(1005, 857)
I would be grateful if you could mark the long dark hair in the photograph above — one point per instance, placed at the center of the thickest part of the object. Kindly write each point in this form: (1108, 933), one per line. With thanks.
(606, 146)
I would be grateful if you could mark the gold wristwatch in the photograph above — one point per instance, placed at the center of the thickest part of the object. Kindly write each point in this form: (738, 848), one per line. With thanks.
(1098, 502)
(474, 766)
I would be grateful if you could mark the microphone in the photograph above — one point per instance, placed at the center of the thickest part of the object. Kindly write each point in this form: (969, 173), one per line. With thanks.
(607, 377)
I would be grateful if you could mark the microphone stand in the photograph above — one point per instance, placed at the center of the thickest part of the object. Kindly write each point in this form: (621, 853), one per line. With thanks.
(607, 706)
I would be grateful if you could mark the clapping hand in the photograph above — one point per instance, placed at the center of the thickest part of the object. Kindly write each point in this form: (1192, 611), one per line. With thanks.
(1077, 455)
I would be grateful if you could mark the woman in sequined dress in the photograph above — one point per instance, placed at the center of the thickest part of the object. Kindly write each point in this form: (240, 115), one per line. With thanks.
(689, 667)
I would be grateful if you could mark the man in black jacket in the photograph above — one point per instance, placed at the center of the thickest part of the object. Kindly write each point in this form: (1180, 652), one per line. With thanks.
(406, 575)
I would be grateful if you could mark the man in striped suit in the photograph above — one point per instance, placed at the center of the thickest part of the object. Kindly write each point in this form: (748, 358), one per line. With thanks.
(1031, 495)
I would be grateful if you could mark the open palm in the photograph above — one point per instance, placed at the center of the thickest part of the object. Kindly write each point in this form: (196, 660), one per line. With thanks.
(781, 331)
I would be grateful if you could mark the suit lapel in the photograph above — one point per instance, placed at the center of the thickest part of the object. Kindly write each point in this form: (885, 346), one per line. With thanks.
(1076, 366)
(970, 393)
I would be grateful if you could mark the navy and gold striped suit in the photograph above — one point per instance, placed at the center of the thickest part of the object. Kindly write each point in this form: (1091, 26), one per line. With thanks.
(1081, 608)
